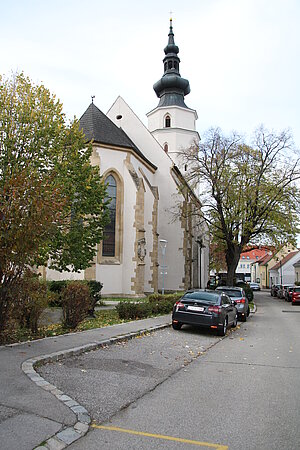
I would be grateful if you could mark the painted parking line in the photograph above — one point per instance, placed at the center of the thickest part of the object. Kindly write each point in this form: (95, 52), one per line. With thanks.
(161, 436)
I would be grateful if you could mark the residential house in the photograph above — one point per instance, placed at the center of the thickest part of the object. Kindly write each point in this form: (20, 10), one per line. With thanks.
(261, 268)
(297, 271)
(247, 258)
(284, 271)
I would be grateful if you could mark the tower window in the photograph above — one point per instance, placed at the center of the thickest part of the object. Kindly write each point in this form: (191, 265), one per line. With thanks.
(176, 65)
(170, 65)
(166, 147)
(167, 122)
(109, 234)
(166, 66)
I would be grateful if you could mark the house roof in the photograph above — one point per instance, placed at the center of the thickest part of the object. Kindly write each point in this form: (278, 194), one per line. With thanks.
(99, 128)
(284, 260)
(254, 253)
(265, 259)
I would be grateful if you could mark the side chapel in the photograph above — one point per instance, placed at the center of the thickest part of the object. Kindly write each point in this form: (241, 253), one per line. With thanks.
(153, 241)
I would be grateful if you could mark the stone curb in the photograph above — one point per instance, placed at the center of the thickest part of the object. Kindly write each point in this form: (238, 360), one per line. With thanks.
(68, 435)
(254, 309)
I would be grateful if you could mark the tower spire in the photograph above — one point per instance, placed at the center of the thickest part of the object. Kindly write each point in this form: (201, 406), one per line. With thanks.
(171, 88)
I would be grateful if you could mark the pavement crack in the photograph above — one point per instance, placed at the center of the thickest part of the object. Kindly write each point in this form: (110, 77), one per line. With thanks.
(251, 364)
(19, 411)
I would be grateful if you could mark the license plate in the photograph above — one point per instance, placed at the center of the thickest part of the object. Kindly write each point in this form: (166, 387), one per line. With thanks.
(195, 308)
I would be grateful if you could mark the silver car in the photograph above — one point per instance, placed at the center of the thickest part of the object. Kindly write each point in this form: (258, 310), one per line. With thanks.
(238, 295)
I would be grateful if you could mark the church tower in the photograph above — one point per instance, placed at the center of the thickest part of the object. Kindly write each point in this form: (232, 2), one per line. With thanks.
(172, 123)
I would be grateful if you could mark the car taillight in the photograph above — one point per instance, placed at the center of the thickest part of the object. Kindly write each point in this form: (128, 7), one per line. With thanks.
(179, 304)
(242, 300)
(214, 309)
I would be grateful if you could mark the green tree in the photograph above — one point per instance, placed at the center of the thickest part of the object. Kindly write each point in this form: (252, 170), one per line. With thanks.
(249, 193)
(52, 201)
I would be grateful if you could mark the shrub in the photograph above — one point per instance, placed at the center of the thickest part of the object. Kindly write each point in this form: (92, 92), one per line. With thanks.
(95, 289)
(248, 290)
(163, 306)
(76, 301)
(56, 288)
(33, 299)
(154, 298)
(130, 310)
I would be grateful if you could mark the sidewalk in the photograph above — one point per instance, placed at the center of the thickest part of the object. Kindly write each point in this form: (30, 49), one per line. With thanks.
(31, 410)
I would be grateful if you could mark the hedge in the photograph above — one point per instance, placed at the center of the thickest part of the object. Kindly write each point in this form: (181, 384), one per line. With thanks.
(155, 304)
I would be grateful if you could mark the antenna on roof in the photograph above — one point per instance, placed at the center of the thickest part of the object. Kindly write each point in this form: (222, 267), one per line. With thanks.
(93, 96)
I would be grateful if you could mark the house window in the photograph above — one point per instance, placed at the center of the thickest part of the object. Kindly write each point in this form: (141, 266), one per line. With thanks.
(166, 147)
(109, 235)
(168, 122)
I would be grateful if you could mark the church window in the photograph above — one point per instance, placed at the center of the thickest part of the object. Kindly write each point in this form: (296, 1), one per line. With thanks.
(168, 122)
(176, 65)
(109, 235)
(166, 66)
(166, 147)
(170, 65)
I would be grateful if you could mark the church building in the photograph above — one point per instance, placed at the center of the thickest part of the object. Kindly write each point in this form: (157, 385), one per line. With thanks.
(154, 241)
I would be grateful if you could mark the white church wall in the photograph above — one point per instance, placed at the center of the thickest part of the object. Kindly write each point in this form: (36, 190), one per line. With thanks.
(149, 201)
(138, 133)
(174, 259)
(129, 232)
(111, 277)
(59, 276)
(116, 278)
(168, 228)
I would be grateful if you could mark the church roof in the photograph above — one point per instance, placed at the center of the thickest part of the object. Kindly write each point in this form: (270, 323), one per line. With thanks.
(99, 128)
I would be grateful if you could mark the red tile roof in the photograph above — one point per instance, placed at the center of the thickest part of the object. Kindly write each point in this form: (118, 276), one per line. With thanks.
(285, 260)
(265, 259)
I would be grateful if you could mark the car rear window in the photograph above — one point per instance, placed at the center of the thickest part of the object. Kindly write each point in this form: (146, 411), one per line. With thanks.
(232, 292)
(297, 289)
(205, 296)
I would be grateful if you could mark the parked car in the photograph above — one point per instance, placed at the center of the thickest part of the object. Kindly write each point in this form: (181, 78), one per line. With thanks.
(288, 294)
(296, 295)
(210, 309)
(274, 289)
(255, 286)
(282, 289)
(238, 295)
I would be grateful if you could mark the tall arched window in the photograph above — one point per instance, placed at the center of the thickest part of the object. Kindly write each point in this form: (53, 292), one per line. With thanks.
(109, 235)
(166, 147)
(167, 121)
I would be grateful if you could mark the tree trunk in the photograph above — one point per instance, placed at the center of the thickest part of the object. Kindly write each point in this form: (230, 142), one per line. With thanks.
(232, 259)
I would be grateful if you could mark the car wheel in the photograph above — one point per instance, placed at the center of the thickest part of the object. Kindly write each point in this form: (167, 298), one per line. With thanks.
(176, 325)
(234, 322)
(222, 330)
(248, 312)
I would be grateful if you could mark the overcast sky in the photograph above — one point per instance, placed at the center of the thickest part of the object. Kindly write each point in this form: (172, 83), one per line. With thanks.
(242, 57)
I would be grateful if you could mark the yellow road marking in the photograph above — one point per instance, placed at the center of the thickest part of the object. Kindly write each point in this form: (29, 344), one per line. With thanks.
(161, 436)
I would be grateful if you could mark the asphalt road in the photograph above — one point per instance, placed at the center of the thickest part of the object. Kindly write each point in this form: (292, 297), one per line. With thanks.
(184, 389)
